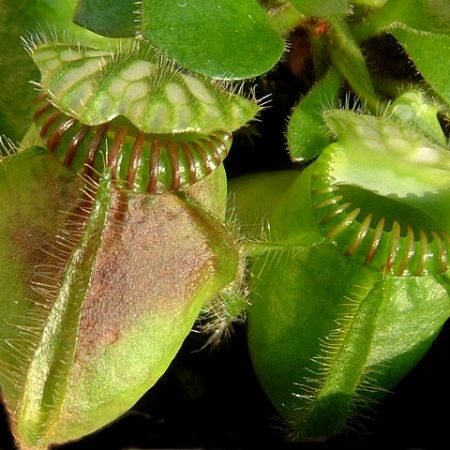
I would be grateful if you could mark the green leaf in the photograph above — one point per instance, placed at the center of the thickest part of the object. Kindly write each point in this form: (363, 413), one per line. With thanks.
(424, 15)
(96, 300)
(321, 8)
(426, 51)
(307, 133)
(106, 17)
(348, 58)
(16, 68)
(99, 85)
(228, 39)
(285, 18)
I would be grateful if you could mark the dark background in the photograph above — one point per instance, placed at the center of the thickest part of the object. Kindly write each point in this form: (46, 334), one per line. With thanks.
(212, 399)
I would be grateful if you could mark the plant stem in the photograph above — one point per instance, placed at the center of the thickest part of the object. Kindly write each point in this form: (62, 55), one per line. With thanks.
(285, 18)
(347, 57)
(378, 22)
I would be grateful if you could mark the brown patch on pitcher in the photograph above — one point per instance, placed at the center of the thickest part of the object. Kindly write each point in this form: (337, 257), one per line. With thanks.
(154, 255)
(33, 226)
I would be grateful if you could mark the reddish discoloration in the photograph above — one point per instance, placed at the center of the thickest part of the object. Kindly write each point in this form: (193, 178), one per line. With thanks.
(50, 121)
(151, 262)
(107, 143)
(135, 157)
(300, 55)
(95, 143)
(75, 142)
(116, 148)
(63, 128)
(320, 28)
(191, 163)
(173, 156)
(42, 110)
(32, 236)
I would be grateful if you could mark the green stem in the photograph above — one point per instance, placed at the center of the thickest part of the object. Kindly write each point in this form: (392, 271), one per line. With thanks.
(378, 22)
(347, 57)
(321, 57)
(285, 18)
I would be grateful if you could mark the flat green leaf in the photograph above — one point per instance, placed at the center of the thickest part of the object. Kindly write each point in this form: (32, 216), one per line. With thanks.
(106, 17)
(424, 15)
(321, 8)
(283, 20)
(426, 51)
(307, 134)
(228, 39)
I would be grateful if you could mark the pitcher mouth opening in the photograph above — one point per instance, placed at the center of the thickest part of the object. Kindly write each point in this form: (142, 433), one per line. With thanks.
(141, 162)
(381, 232)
